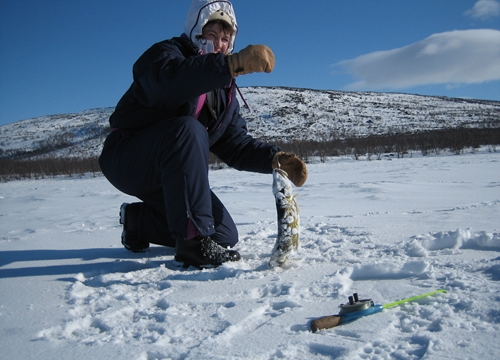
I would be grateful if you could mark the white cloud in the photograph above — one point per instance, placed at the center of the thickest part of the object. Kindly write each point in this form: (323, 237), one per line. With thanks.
(455, 57)
(484, 9)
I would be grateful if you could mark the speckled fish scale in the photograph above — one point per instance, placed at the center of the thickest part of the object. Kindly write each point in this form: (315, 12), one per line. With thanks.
(288, 219)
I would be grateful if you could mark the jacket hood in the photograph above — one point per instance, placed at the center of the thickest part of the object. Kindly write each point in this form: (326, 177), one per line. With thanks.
(198, 16)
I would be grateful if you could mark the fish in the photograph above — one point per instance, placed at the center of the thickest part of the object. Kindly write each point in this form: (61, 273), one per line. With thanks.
(288, 236)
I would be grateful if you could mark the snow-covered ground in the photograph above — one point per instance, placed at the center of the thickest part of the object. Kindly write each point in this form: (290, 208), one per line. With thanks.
(385, 229)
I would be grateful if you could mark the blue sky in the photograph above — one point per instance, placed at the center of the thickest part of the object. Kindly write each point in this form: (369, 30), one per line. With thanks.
(62, 56)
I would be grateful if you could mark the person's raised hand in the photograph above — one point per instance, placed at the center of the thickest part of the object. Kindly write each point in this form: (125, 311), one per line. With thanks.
(253, 58)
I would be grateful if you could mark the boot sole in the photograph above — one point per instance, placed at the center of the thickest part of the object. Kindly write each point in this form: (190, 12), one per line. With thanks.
(122, 213)
(134, 250)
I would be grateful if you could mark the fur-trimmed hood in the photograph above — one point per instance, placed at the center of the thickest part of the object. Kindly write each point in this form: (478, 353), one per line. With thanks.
(200, 12)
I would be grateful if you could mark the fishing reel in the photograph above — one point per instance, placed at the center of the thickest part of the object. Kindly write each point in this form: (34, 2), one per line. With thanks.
(355, 304)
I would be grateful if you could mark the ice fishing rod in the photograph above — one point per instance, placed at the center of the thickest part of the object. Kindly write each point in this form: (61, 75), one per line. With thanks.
(357, 308)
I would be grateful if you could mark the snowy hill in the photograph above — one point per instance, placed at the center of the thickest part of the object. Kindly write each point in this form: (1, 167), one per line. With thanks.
(80, 134)
(284, 113)
(277, 113)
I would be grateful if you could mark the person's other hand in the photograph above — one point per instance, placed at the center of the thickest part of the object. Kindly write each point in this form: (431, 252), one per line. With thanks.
(292, 165)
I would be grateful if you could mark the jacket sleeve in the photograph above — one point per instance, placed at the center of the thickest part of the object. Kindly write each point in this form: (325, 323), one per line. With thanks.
(165, 78)
(240, 150)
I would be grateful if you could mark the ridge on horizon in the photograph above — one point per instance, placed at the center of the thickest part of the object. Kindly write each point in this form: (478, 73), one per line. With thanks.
(110, 108)
(278, 113)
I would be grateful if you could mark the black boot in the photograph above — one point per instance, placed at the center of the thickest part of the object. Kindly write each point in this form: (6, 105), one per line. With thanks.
(129, 217)
(203, 252)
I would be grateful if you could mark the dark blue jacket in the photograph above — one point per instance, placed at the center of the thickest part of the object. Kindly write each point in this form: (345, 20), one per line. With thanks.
(168, 80)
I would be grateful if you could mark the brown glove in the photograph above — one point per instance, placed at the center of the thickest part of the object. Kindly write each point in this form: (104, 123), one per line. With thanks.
(294, 167)
(253, 58)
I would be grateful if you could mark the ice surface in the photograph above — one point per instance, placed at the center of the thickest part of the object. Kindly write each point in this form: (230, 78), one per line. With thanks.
(385, 229)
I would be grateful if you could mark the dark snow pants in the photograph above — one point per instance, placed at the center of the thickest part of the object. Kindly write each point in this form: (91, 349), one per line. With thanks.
(166, 166)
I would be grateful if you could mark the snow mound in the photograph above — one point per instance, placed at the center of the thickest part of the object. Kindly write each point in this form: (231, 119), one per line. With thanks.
(450, 241)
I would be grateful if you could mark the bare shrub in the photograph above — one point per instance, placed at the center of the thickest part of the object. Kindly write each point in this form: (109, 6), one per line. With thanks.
(13, 169)
(455, 140)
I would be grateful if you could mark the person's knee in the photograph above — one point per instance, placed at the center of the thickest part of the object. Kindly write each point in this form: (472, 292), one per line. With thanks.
(226, 236)
(232, 241)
